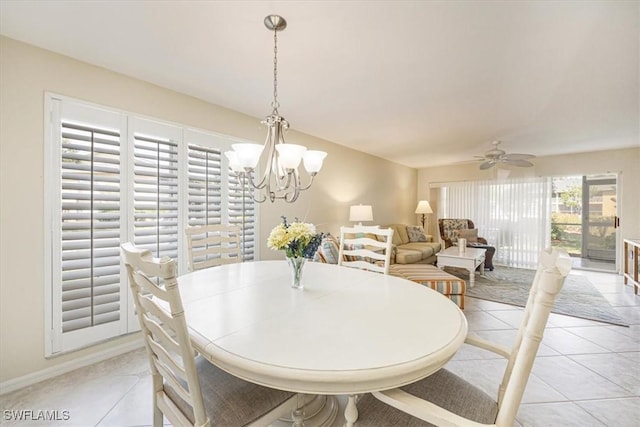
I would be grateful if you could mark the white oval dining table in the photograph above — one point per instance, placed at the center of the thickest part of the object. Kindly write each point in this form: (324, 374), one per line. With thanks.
(347, 332)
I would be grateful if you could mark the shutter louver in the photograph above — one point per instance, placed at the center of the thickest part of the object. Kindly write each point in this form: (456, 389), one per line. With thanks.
(205, 186)
(241, 212)
(155, 197)
(90, 228)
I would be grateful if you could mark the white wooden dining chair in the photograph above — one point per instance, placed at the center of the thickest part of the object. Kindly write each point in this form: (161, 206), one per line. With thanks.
(366, 247)
(444, 399)
(188, 390)
(211, 245)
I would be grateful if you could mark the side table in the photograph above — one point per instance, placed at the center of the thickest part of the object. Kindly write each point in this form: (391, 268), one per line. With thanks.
(490, 251)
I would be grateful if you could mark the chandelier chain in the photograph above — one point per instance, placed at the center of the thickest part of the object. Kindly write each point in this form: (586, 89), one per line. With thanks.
(275, 104)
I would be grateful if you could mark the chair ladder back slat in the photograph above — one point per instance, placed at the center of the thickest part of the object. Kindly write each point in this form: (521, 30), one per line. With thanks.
(171, 411)
(212, 240)
(148, 286)
(360, 247)
(160, 337)
(150, 307)
(173, 380)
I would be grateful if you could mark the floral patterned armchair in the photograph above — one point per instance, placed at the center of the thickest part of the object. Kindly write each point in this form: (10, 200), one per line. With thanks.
(450, 230)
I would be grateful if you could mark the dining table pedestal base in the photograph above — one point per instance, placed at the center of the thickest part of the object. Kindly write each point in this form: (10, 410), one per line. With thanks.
(319, 411)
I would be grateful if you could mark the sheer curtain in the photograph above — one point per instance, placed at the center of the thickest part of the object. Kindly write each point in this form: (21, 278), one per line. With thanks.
(513, 215)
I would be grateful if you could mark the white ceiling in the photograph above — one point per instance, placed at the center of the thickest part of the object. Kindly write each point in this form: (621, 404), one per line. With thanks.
(422, 83)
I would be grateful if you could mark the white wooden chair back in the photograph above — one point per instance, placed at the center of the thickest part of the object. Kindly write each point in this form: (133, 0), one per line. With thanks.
(211, 245)
(553, 268)
(159, 307)
(364, 252)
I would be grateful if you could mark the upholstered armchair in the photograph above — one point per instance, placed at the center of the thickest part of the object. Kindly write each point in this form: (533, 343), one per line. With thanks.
(451, 229)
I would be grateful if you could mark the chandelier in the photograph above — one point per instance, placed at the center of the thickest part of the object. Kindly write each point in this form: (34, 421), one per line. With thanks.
(280, 179)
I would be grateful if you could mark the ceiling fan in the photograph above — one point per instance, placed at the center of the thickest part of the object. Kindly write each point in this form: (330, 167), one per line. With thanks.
(496, 155)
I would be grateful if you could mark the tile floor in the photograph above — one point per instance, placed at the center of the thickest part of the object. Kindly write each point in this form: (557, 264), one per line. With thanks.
(586, 373)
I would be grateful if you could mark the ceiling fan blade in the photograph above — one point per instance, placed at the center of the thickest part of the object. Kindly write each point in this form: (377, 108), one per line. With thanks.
(517, 162)
(515, 156)
(487, 164)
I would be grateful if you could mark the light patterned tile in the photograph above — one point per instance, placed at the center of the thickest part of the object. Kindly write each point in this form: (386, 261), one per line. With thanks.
(512, 318)
(482, 321)
(507, 338)
(614, 412)
(565, 342)
(86, 400)
(574, 380)
(607, 337)
(562, 321)
(564, 414)
(618, 369)
(489, 305)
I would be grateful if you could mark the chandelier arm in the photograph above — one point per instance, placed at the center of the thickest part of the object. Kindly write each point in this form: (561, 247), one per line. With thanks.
(296, 188)
(312, 176)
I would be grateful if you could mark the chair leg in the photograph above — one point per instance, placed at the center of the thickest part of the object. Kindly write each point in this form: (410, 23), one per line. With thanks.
(157, 388)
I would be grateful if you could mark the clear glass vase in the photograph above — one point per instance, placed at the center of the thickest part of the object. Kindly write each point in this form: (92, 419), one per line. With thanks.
(296, 264)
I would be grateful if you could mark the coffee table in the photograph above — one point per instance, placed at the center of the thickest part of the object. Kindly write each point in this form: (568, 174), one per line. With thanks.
(470, 259)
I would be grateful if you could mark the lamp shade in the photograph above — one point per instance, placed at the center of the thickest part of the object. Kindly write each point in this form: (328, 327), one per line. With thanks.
(361, 213)
(247, 155)
(290, 155)
(313, 160)
(423, 207)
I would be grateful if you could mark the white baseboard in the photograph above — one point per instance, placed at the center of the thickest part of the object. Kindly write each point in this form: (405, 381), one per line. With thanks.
(71, 365)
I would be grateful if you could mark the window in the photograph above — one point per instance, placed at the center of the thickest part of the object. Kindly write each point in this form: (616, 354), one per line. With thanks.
(113, 177)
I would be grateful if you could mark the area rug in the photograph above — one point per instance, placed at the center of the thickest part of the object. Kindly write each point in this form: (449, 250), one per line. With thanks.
(578, 297)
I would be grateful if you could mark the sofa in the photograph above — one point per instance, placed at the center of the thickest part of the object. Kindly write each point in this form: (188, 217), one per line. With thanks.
(412, 246)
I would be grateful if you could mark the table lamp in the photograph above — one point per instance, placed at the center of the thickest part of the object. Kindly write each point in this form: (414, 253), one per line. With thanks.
(423, 208)
(360, 213)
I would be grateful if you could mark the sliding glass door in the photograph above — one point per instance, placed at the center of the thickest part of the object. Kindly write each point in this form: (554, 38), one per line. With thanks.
(599, 218)
(584, 219)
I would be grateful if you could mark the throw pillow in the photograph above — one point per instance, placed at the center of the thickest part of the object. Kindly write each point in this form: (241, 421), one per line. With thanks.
(416, 233)
(471, 234)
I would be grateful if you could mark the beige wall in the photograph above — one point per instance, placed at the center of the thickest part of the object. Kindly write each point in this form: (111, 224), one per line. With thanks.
(26, 73)
(625, 162)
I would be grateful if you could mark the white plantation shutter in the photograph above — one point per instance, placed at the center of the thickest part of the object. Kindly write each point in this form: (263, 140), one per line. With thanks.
(236, 210)
(205, 186)
(111, 178)
(215, 194)
(84, 205)
(90, 178)
(155, 199)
